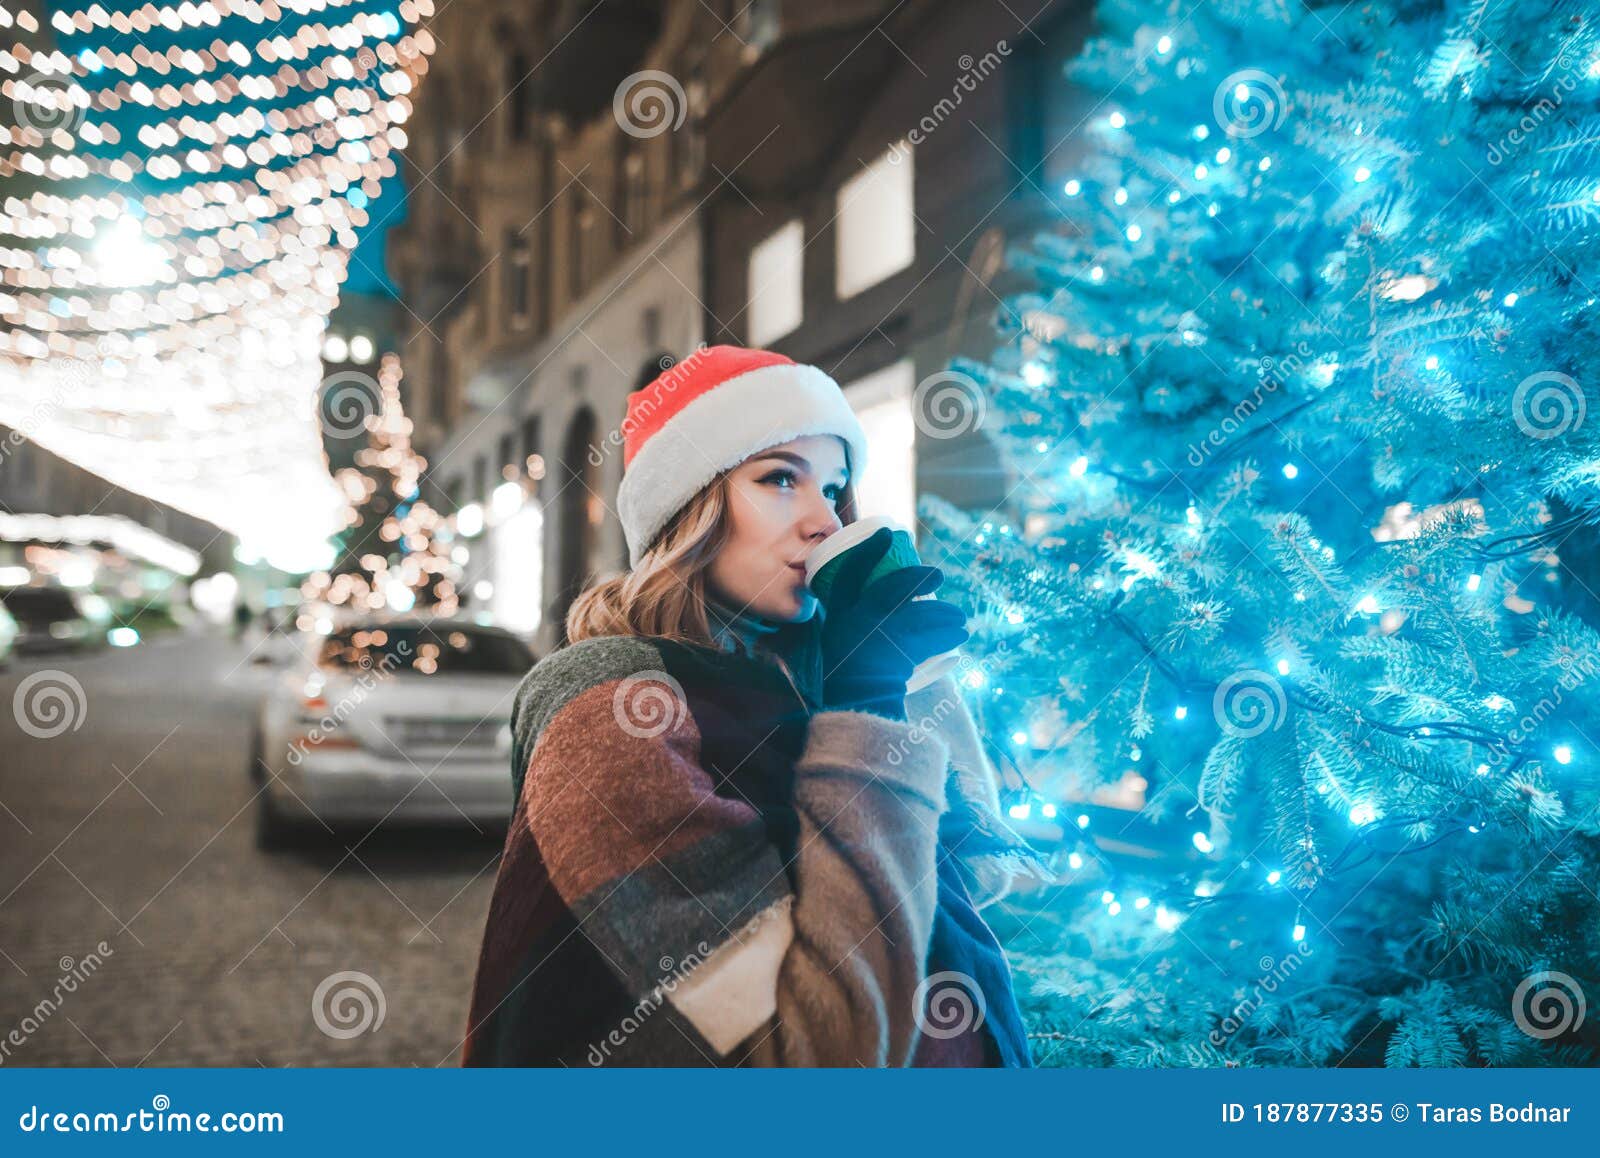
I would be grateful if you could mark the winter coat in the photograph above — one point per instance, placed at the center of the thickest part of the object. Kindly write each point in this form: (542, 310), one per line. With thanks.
(704, 868)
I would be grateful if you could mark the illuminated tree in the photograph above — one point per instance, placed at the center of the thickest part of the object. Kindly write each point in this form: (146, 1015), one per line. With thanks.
(390, 554)
(1297, 414)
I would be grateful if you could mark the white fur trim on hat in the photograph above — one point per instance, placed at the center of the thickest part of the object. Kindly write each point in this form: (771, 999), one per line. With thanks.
(722, 428)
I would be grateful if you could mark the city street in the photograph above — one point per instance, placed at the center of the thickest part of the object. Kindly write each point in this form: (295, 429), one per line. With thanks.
(1153, 440)
(133, 827)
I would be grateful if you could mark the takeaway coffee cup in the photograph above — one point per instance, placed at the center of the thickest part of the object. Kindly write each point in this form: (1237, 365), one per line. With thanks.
(823, 564)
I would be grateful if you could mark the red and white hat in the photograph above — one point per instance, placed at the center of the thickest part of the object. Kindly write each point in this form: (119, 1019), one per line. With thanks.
(710, 412)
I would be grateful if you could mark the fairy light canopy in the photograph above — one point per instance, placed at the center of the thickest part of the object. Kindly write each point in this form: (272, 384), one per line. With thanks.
(180, 190)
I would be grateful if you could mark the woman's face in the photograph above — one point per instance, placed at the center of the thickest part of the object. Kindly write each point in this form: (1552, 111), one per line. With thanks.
(782, 502)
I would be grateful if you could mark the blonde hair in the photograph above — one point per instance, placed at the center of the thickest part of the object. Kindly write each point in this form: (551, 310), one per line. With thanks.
(664, 594)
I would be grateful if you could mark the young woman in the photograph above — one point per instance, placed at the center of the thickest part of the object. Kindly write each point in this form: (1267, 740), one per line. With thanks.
(730, 844)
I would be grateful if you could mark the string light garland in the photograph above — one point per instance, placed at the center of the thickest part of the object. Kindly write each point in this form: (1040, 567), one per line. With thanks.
(184, 184)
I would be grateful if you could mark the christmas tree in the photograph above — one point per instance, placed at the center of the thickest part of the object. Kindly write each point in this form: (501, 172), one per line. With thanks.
(1293, 656)
(390, 552)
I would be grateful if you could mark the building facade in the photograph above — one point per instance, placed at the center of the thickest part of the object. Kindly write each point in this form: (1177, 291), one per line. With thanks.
(550, 264)
(596, 189)
(871, 241)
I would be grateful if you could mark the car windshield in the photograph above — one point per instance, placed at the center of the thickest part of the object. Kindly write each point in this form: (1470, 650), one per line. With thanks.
(40, 604)
(416, 650)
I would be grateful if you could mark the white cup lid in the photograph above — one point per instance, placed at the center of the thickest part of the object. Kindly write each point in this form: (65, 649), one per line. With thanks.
(843, 539)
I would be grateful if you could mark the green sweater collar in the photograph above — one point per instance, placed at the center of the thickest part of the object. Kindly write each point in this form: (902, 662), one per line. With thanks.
(739, 632)
(734, 630)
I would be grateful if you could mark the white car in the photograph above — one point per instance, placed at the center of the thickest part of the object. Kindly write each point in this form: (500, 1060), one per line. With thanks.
(8, 635)
(388, 720)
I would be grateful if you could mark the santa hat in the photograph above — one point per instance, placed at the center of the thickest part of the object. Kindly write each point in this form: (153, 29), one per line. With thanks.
(710, 412)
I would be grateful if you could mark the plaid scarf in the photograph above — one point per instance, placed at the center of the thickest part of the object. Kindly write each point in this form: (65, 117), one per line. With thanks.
(580, 929)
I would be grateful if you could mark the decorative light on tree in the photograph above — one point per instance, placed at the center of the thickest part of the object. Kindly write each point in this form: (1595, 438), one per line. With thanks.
(183, 186)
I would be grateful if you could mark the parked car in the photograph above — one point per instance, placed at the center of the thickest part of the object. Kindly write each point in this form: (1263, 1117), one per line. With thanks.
(8, 635)
(388, 720)
(56, 618)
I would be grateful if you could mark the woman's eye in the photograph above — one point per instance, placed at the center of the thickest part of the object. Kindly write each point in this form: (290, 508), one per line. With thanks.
(788, 480)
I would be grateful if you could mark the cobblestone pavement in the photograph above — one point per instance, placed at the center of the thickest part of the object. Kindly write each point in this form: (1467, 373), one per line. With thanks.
(133, 827)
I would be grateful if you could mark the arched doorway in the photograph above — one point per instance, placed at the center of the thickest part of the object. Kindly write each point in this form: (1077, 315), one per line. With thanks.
(651, 369)
(582, 510)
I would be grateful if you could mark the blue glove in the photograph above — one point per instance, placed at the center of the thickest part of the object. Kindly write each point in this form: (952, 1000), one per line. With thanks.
(873, 638)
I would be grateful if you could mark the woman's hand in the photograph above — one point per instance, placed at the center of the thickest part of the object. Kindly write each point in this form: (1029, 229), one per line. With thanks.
(874, 637)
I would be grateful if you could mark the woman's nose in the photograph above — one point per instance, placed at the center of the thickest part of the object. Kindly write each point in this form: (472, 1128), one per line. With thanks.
(821, 518)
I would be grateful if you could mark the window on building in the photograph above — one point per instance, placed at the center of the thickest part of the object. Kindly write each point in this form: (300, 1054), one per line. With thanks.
(516, 271)
(581, 226)
(651, 369)
(519, 86)
(517, 602)
(774, 291)
(874, 226)
(439, 385)
(759, 22)
(630, 192)
(546, 228)
(508, 453)
(532, 462)
(883, 402)
(530, 436)
(687, 142)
